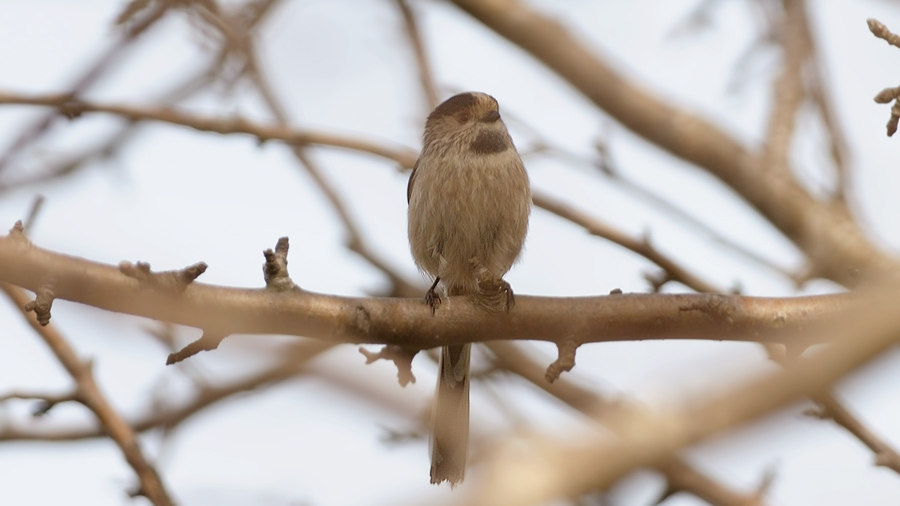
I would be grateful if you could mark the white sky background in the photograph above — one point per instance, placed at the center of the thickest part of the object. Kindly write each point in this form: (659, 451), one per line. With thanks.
(174, 196)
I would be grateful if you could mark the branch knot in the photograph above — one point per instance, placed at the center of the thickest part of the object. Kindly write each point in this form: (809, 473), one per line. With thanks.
(166, 281)
(275, 269)
(43, 302)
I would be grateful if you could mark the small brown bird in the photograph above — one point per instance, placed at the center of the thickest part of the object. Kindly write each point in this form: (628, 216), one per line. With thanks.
(469, 201)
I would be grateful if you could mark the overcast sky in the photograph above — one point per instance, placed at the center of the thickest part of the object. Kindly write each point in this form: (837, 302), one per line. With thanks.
(174, 196)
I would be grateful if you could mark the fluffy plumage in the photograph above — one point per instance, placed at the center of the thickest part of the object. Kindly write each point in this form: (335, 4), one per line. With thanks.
(469, 201)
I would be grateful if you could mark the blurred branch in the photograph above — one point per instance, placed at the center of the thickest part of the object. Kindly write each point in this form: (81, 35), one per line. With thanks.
(356, 242)
(673, 271)
(679, 474)
(249, 17)
(74, 108)
(838, 145)
(293, 361)
(885, 455)
(138, 21)
(605, 166)
(645, 436)
(47, 401)
(789, 90)
(836, 247)
(88, 393)
(801, 79)
(426, 76)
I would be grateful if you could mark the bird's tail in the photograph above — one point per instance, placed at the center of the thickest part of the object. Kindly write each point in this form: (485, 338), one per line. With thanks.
(450, 434)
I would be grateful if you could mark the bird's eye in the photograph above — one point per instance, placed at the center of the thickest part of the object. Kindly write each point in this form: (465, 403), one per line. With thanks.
(463, 117)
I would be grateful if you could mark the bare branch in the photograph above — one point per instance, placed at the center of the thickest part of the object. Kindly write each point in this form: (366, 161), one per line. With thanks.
(356, 242)
(887, 94)
(47, 401)
(679, 474)
(789, 89)
(828, 236)
(881, 31)
(408, 322)
(832, 408)
(73, 108)
(88, 393)
(642, 247)
(292, 362)
(426, 75)
(401, 357)
(645, 436)
(93, 72)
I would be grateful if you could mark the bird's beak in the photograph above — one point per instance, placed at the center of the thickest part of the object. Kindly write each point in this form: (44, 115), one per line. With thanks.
(491, 117)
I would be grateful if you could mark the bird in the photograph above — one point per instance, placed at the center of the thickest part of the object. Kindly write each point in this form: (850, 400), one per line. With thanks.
(469, 201)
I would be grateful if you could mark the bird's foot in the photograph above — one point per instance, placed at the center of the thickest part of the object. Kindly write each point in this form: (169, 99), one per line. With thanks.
(492, 293)
(431, 296)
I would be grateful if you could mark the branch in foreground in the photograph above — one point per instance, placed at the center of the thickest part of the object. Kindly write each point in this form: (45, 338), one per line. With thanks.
(409, 323)
(557, 470)
(679, 474)
(829, 407)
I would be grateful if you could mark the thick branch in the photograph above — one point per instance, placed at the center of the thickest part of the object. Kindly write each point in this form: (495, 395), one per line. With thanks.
(679, 474)
(555, 469)
(409, 322)
(836, 246)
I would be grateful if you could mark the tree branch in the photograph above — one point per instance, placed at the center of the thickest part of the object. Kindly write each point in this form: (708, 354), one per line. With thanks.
(836, 247)
(643, 247)
(679, 474)
(409, 322)
(73, 108)
(426, 76)
(88, 393)
(643, 436)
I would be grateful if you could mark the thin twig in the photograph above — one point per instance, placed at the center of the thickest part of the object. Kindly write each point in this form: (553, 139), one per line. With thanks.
(74, 108)
(356, 241)
(426, 76)
(251, 15)
(292, 362)
(673, 270)
(839, 148)
(832, 408)
(788, 90)
(103, 63)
